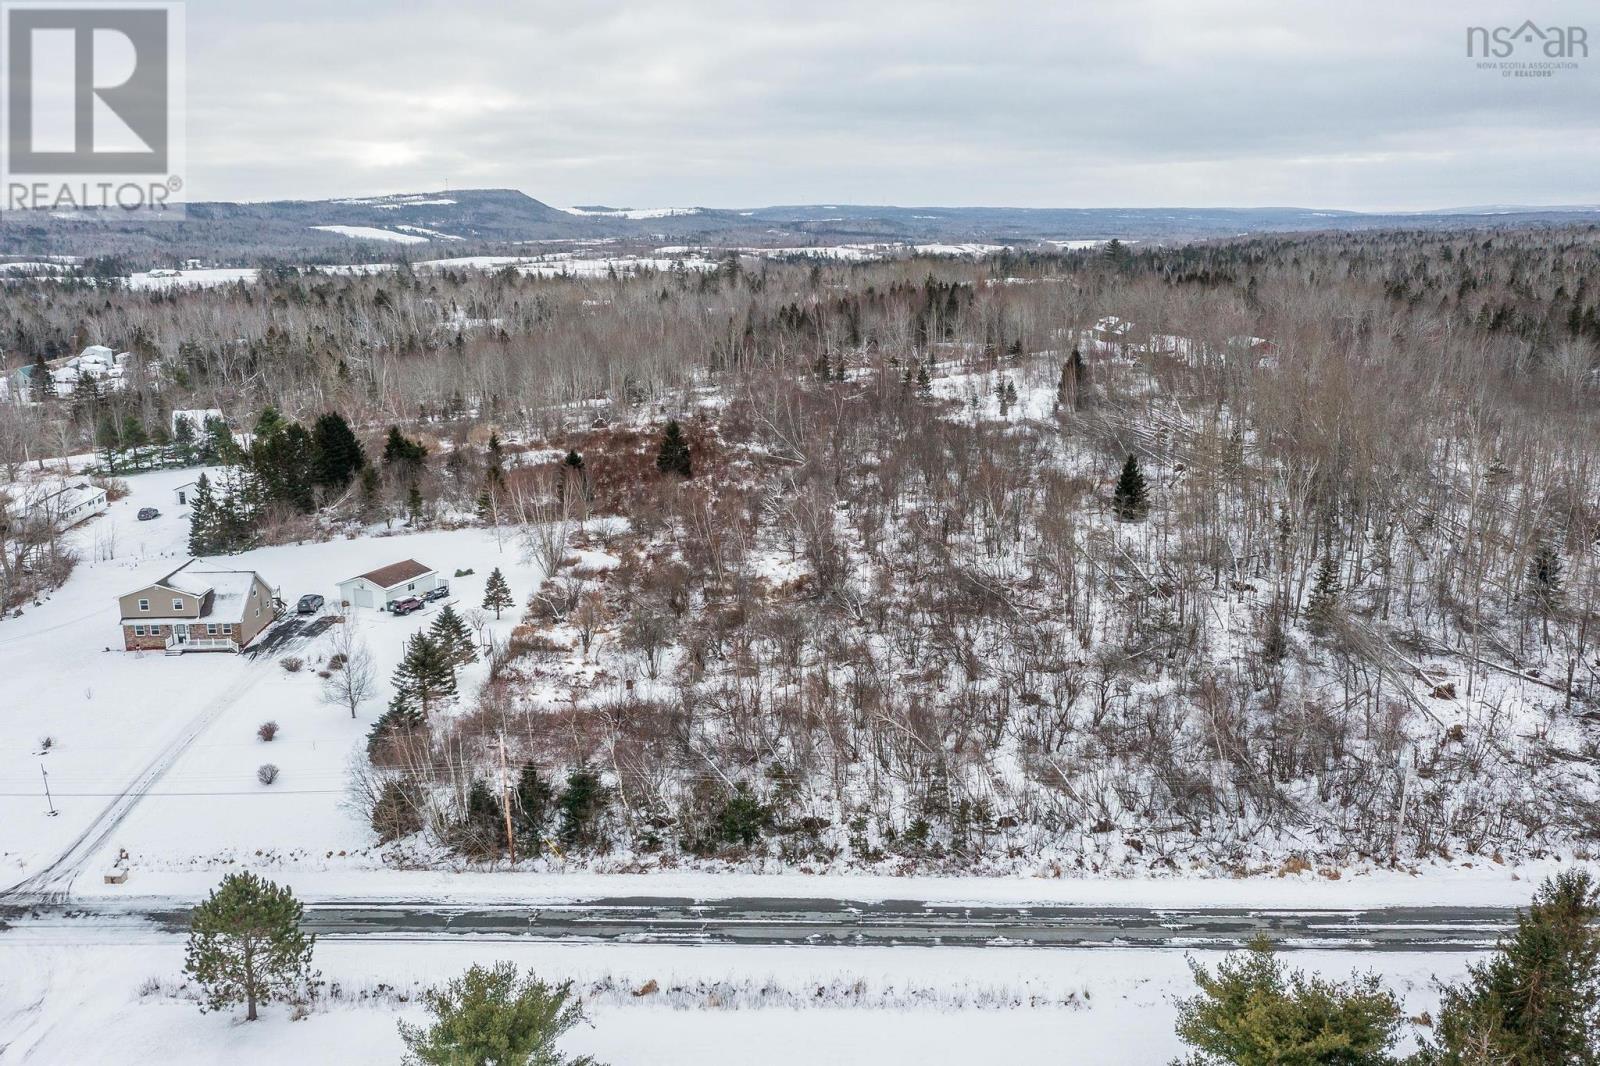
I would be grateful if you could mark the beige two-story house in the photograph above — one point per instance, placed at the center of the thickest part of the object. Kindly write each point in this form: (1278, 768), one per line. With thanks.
(198, 607)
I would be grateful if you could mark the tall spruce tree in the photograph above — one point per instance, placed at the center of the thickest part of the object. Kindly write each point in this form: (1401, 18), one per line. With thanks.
(203, 518)
(1131, 498)
(401, 450)
(454, 637)
(425, 677)
(534, 811)
(246, 946)
(339, 454)
(496, 593)
(284, 462)
(1536, 1002)
(1323, 605)
(674, 456)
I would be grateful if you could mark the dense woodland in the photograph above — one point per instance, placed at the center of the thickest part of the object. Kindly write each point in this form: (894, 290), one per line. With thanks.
(930, 574)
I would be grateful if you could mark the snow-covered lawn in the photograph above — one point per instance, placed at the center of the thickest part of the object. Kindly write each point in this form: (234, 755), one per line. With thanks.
(68, 989)
(107, 712)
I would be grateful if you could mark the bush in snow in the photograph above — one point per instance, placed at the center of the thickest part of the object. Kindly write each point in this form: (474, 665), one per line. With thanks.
(292, 663)
(267, 731)
(266, 773)
(494, 1014)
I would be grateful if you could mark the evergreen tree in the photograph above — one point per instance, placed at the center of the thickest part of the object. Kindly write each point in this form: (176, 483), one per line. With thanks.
(414, 507)
(574, 475)
(1537, 1000)
(425, 677)
(535, 809)
(339, 454)
(270, 422)
(1070, 386)
(674, 455)
(582, 805)
(1323, 606)
(284, 462)
(496, 593)
(203, 519)
(492, 1016)
(1544, 578)
(452, 635)
(924, 382)
(1131, 498)
(481, 831)
(245, 945)
(1249, 1012)
(371, 494)
(399, 720)
(402, 450)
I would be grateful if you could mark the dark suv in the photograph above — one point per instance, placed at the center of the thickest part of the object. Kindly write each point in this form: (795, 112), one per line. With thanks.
(406, 606)
(310, 603)
(147, 513)
(438, 593)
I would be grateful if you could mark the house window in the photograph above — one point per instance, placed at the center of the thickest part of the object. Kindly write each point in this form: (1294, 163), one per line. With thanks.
(411, 586)
(138, 631)
(144, 605)
(258, 612)
(211, 629)
(177, 603)
(227, 628)
(155, 631)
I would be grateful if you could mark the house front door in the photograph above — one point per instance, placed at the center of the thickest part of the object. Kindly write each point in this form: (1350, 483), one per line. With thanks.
(180, 633)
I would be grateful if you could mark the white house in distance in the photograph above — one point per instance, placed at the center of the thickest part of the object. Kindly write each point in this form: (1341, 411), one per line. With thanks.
(200, 606)
(381, 587)
(60, 503)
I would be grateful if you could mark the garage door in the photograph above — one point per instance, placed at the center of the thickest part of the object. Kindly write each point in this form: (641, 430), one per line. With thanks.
(363, 597)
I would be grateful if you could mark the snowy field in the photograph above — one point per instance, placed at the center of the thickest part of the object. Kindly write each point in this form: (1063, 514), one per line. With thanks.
(712, 1006)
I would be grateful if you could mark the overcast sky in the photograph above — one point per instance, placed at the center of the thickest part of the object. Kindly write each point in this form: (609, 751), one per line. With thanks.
(1141, 103)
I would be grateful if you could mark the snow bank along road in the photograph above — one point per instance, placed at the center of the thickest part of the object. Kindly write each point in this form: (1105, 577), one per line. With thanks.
(825, 922)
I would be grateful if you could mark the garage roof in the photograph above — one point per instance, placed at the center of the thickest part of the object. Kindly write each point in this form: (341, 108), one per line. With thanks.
(387, 577)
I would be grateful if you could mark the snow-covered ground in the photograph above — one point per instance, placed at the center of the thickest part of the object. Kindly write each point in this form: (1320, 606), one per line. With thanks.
(107, 712)
(373, 233)
(69, 988)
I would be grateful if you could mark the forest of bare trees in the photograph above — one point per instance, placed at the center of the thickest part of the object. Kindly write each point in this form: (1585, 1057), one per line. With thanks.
(901, 612)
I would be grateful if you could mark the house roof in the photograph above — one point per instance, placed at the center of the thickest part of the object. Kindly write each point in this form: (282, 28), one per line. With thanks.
(224, 594)
(387, 577)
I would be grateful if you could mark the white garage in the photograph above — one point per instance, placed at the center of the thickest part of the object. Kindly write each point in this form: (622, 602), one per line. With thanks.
(381, 587)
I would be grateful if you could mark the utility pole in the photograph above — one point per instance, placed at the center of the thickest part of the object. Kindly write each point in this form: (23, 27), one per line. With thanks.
(47, 798)
(505, 802)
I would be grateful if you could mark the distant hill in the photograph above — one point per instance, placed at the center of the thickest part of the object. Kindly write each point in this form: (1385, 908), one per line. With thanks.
(458, 221)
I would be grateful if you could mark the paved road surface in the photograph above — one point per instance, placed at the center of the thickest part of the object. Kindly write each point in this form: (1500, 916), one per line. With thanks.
(834, 922)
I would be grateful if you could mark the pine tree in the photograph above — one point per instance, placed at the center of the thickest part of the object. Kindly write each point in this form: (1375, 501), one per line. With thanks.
(535, 808)
(481, 831)
(492, 1015)
(1131, 498)
(454, 637)
(1008, 399)
(1544, 578)
(245, 945)
(202, 518)
(425, 677)
(414, 507)
(582, 805)
(1537, 1000)
(924, 382)
(496, 593)
(284, 462)
(1249, 1012)
(1323, 606)
(270, 422)
(1003, 398)
(398, 720)
(1071, 385)
(674, 455)
(339, 454)
(402, 450)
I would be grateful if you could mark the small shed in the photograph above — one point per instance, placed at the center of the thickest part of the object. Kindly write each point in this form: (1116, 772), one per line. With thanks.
(381, 587)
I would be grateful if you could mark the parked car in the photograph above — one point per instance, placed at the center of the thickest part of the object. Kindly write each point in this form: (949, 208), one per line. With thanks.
(405, 606)
(310, 603)
(147, 513)
(439, 592)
